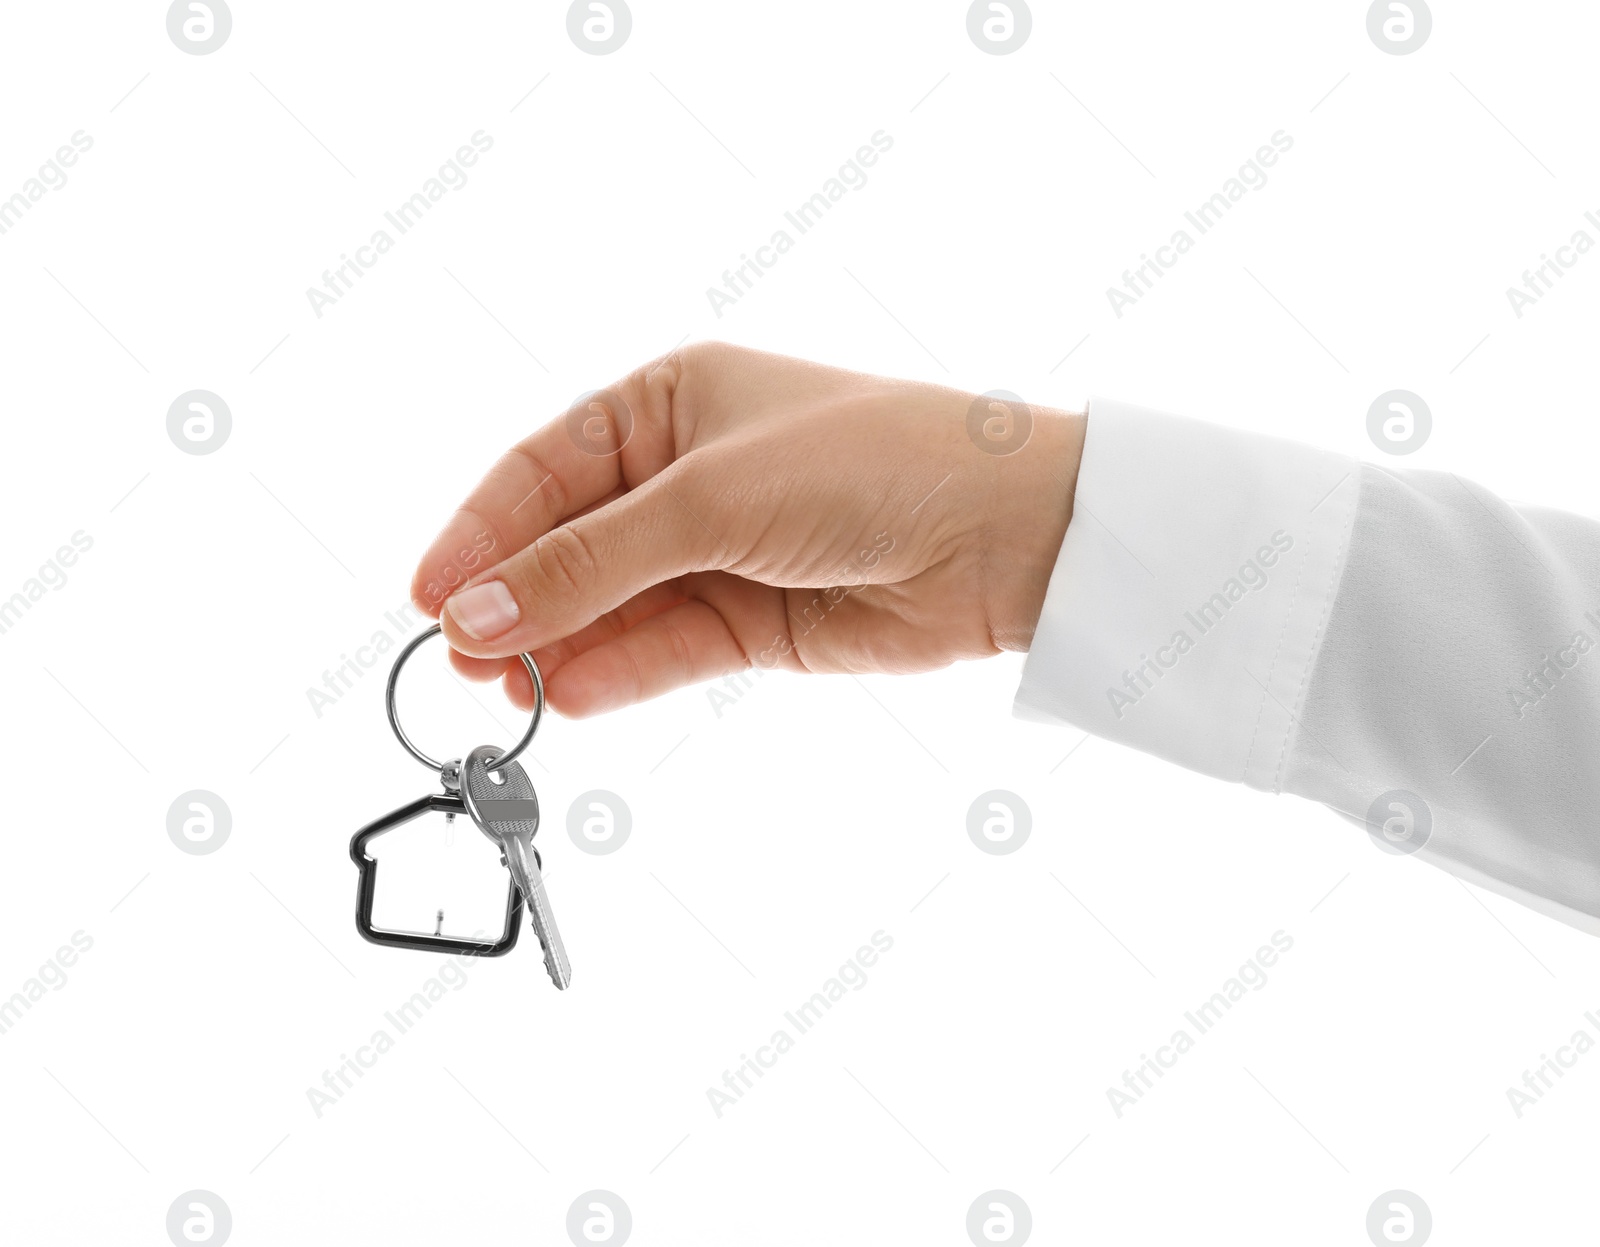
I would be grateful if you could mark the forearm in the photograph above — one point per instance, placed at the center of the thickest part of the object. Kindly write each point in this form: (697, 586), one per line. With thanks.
(1300, 622)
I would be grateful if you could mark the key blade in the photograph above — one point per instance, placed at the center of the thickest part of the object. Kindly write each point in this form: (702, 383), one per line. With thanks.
(530, 882)
(504, 806)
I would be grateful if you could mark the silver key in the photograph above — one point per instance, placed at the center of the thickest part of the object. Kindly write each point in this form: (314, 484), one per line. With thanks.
(508, 813)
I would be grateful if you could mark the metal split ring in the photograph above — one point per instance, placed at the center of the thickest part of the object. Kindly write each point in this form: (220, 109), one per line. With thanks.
(510, 755)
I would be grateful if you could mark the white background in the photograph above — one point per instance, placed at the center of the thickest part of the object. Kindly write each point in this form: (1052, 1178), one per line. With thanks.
(771, 841)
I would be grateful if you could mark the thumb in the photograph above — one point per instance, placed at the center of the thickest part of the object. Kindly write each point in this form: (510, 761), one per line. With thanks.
(577, 572)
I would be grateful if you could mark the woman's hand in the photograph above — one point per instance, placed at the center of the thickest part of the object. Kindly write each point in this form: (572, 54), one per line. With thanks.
(722, 508)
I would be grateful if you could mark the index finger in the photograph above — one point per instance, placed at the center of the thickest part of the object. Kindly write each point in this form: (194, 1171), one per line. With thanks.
(616, 437)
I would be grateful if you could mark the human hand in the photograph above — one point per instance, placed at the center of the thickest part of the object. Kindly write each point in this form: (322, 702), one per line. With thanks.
(723, 508)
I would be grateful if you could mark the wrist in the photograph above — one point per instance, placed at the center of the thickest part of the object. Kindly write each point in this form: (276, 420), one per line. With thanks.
(1032, 505)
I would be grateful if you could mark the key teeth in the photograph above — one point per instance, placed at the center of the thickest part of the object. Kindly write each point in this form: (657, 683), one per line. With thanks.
(558, 967)
(550, 943)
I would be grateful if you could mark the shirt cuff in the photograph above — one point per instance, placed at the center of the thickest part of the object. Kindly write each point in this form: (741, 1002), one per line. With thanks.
(1192, 591)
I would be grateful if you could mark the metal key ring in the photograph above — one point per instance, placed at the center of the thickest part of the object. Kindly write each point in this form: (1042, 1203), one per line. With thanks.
(400, 733)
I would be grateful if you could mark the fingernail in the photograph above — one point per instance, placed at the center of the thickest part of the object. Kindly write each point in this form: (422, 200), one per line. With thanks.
(484, 611)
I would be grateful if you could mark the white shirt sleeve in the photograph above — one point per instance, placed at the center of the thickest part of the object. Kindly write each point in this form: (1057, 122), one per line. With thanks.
(1401, 646)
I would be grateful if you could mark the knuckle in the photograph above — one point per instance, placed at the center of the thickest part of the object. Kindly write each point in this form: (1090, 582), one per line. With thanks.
(666, 392)
(681, 654)
(700, 354)
(545, 482)
(565, 561)
(710, 359)
(661, 379)
(679, 366)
